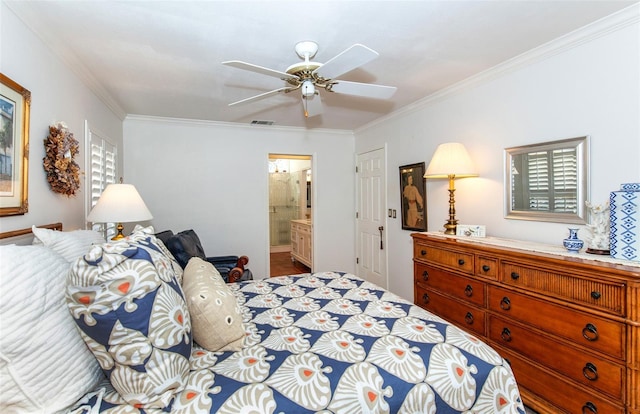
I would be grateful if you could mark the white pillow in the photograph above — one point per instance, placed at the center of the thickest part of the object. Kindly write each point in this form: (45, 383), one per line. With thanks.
(45, 365)
(68, 244)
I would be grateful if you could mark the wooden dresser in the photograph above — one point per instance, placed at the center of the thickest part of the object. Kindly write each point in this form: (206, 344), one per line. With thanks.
(569, 325)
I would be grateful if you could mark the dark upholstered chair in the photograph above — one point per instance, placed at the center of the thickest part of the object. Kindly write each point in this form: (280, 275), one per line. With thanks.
(186, 244)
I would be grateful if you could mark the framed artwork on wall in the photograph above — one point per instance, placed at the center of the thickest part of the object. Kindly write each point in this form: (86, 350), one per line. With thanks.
(413, 197)
(15, 102)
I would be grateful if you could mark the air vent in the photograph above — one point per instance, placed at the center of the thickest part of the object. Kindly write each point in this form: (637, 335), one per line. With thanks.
(259, 122)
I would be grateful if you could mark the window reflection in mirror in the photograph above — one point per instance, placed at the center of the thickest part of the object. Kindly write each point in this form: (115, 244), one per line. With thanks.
(547, 181)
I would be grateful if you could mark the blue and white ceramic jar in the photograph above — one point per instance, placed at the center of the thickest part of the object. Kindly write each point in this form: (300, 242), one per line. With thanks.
(572, 243)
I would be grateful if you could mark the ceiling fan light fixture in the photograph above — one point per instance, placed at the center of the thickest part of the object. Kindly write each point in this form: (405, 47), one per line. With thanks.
(308, 89)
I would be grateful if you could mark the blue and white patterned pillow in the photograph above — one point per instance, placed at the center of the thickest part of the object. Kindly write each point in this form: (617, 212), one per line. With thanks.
(127, 301)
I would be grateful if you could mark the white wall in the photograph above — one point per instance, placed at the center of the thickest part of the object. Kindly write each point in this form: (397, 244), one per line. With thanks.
(213, 177)
(56, 95)
(588, 87)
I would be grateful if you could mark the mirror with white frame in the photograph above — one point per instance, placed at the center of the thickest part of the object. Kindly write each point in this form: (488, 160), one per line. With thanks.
(548, 181)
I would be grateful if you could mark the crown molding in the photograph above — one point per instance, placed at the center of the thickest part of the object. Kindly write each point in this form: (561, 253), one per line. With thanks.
(68, 59)
(602, 27)
(204, 122)
(588, 33)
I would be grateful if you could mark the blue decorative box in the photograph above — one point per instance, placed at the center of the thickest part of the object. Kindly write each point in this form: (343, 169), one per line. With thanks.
(630, 187)
(625, 222)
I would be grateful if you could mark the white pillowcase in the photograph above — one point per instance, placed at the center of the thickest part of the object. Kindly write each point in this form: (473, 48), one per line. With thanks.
(45, 365)
(68, 244)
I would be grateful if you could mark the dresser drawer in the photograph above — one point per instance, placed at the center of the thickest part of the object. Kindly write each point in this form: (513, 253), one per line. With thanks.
(565, 396)
(452, 259)
(301, 228)
(587, 330)
(487, 267)
(464, 315)
(588, 369)
(461, 287)
(595, 293)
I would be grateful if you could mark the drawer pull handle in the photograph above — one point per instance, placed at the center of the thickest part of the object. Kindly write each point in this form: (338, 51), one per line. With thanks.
(425, 275)
(468, 318)
(590, 332)
(468, 291)
(515, 276)
(505, 303)
(425, 298)
(589, 407)
(506, 335)
(461, 262)
(423, 252)
(590, 372)
(596, 295)
(486, 268)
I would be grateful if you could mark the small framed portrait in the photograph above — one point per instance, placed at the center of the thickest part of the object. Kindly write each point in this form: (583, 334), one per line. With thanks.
(413, 196)
(15, 102)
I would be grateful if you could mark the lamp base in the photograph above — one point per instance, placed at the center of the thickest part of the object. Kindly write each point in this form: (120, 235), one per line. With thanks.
(119, 235)
(452, 223)
(450, 227)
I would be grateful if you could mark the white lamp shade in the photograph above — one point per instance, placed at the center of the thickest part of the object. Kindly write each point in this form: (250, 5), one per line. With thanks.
(451, 159)
(119, 203)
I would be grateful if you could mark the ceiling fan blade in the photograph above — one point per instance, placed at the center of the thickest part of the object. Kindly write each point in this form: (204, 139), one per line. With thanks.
(262, 95)
(259, 69)
(368, 90)
(312, 105)
(355, 56)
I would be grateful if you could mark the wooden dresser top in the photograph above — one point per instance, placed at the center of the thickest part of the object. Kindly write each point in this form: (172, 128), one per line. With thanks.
(554, 253)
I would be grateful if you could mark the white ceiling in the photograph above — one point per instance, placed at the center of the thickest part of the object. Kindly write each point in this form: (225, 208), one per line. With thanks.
(164, 58)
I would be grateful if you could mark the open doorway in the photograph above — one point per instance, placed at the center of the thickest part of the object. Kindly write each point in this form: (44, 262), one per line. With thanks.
(290, 212)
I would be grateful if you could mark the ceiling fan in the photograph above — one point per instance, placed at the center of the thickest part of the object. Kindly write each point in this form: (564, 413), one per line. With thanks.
(310, 76)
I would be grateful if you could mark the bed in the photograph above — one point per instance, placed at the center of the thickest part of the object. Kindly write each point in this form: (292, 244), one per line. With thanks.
(325, 342)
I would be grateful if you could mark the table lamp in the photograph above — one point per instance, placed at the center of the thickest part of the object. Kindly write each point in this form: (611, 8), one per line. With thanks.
(119, 203)
(451, 161)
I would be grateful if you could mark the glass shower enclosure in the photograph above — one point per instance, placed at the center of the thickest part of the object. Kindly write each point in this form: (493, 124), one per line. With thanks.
(284, 205)
(289, 197)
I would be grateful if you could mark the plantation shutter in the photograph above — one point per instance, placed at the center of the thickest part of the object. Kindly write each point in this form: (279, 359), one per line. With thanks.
(553, 181)
(103, 172)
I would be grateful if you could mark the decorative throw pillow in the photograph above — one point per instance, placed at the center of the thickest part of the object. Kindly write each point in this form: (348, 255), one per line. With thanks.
(68, 244)
(45, 365)
(164, 236)
(215, 315)
(185, 245)
(129, 305)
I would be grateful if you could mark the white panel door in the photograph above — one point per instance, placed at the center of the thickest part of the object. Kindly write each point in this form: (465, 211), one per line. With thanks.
(371, 251)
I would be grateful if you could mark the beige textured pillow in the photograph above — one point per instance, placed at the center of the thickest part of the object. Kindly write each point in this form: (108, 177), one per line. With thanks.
(216, 319)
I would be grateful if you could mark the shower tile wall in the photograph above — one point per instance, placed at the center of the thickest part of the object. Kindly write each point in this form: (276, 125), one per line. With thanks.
(284, 195)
